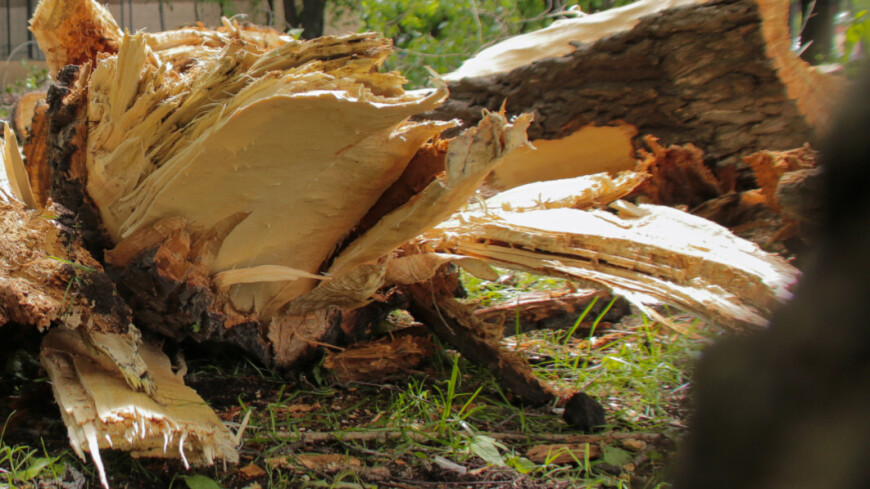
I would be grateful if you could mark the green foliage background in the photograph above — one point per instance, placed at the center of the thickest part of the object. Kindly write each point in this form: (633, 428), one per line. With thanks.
(442, 34)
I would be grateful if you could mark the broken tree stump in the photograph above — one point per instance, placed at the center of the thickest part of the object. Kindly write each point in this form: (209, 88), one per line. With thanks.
(235, 178)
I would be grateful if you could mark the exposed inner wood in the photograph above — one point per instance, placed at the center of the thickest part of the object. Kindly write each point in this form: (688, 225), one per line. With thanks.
(591, 149)
(15, 169)
(375, 361)
(74, 32)
(649, 254)
(102, 412)
(46, 278)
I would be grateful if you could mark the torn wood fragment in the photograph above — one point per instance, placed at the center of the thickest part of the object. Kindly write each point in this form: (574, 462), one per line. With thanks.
(770, 166)
(649, 254)
(74, 32)
(678, 175)
(10, 153)
(46, 278)
(101, 411)
(376, 360)
(24, 111)
(588, 150)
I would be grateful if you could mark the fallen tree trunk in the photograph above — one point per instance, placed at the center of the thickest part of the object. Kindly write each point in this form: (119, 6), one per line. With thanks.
(715, 73)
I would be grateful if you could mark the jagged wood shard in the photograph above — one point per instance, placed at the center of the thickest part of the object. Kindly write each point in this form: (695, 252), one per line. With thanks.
(101, 411)
(15, 171)
(649, 254)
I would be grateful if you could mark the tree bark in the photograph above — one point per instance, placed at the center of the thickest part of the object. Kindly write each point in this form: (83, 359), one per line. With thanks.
(290, 13)
(241, 186)
(718, 74)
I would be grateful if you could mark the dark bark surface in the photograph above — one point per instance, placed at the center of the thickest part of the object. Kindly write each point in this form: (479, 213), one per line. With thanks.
(696, 74)
(67, 137)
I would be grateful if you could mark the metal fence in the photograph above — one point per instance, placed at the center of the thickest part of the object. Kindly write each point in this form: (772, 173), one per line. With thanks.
(16, 41)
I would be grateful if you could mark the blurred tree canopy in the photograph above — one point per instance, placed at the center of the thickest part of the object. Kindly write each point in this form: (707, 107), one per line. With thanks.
(441, 34)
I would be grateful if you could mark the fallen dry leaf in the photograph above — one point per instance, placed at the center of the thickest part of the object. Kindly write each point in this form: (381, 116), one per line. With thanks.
(634, 445)
(297, 410)
(252, 471)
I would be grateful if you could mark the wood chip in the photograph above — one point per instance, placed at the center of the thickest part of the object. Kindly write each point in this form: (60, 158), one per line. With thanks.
(563, 453)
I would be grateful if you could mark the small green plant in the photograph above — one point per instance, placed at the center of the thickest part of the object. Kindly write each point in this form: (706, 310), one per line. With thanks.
(76, 279)
(450, 397)
(857, 36)
(511, 283)
(34, 80)
(20, 464)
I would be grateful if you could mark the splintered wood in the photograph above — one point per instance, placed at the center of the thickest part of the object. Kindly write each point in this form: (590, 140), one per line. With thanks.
(373, 361)
(101, 411)
(45, 279)
(249, 135)
(277, 148)
(649, 254)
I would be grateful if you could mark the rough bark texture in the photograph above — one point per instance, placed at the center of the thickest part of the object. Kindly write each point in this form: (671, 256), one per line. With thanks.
(696, 74)
(65, 155)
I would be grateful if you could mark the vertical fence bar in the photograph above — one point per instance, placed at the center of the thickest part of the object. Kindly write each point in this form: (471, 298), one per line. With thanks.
(8, 28)
(122, 14)
(196, 10)
(29, 5)
(130, 11)
(160, 9)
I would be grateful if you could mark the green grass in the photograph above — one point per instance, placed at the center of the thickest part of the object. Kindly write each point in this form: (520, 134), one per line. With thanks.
(638, 369)
(512, 283)
(21, 465)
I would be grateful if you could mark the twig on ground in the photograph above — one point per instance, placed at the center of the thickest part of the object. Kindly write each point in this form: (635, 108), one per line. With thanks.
(311, 437)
